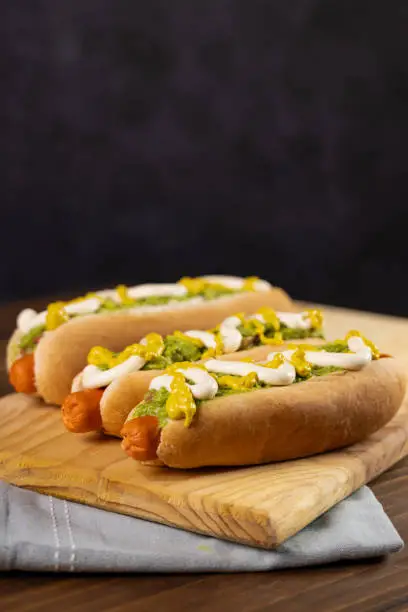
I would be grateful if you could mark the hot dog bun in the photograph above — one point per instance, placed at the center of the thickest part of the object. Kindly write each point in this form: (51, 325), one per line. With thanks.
(319, 415)
(12, 350)
(122, 395)
(62, 353)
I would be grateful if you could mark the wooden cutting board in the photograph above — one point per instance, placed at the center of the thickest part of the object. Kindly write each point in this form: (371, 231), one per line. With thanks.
(261, 506)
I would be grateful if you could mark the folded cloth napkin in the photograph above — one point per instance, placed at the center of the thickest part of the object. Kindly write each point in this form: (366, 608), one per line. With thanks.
(42, 533)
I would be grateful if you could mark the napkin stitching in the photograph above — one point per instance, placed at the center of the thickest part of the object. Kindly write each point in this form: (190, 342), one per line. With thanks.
(71, 537)
(56, 535)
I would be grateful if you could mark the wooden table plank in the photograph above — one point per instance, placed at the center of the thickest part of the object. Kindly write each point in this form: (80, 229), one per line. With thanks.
(367, 585)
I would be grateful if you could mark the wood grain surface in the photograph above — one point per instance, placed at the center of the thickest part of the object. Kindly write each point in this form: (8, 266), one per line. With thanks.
(366, 586)
(260, 506)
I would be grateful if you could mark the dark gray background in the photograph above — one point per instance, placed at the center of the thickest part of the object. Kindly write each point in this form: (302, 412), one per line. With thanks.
(149, 140)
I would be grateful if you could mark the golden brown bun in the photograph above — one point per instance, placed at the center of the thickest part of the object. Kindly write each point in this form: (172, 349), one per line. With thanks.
(62, 353)
(311, 417)
(126, 392)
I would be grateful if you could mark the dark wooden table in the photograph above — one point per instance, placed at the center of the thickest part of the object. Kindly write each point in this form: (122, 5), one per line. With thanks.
(375, 586)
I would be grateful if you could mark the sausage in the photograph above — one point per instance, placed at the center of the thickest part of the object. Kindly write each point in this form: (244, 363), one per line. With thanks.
(81, 411)
(21, 374)
(141, 438)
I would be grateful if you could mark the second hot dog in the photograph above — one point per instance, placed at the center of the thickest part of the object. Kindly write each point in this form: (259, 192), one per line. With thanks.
(124, 378)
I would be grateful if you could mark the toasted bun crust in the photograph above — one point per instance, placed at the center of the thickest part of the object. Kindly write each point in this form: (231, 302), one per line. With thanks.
(282, 423)
(126, 392)
(62, 353)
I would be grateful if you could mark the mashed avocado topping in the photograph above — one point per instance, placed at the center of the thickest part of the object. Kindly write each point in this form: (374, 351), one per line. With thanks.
(339, 346)
(153, 404)
(110, 305)
(251, 329)
(29, 341)
(176, 349)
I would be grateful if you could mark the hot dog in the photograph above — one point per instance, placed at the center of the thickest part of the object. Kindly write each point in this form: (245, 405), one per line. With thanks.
(21, 374)
(125, 377)
(86, 403)
(60, 337)
(299, 402)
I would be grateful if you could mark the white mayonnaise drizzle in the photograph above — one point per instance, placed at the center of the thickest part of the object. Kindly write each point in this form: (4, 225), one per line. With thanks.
(293, 320)
(230, 336)
(77, 383)
(87, 306)
(236, 282)
(285, 374)
(92, 377)
(207, 338)
(29, 318)
(157, 290)
(204, 386)
(356, 360)
(138, 292)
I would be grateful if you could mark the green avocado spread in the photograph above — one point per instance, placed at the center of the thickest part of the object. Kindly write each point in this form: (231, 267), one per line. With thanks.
(339, 346)
(249, 332)
(153, 404)
(29, 341)
(209, 293)
(110, 305)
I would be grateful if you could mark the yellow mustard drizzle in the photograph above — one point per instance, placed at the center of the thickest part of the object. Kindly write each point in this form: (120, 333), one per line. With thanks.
(100, 356)
(219, 345)
(193, 285)
(219, 348)
(301, 365)
(315, 317)
(208, 354)
(103, 357)
(276, 362)
(56, 315)
(123, 295)
(196, 341)
(374, 349)
(249, 283)
(270, 317)
(87, 296)
(153, 348)
(260, 330)
(304, 347)
(239, 383)
(196, 286)
(180, 402)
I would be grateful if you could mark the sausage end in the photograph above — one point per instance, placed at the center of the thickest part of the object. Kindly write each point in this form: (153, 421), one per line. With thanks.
(81, 411)
(21, 374)
(141, 438)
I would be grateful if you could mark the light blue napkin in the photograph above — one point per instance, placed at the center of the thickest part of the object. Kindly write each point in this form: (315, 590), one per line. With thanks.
(42, 533)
